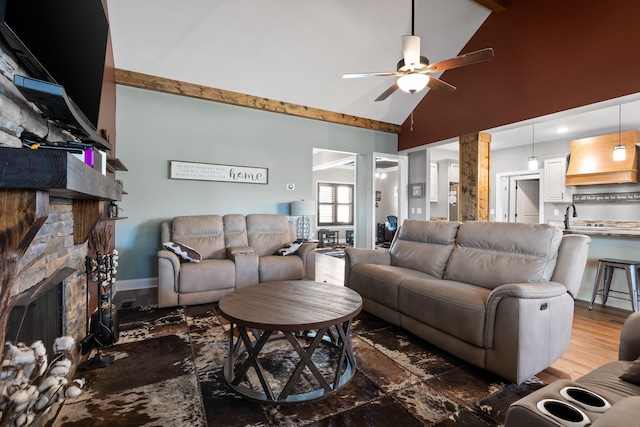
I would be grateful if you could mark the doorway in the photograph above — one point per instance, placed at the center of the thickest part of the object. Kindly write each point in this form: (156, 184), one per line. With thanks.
(518, 198)
(527, 196)
(390, 173)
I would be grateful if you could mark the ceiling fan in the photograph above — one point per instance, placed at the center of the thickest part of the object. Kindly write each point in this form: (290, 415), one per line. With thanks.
(413, 69)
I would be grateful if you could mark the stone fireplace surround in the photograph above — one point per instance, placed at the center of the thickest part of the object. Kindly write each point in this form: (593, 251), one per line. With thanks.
(55, 246)
(52, 250)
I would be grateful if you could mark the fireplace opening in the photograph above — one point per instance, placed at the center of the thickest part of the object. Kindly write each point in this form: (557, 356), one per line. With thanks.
(38, 314)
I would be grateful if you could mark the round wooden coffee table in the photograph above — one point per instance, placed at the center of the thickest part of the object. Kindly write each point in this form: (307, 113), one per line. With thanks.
(280, 328)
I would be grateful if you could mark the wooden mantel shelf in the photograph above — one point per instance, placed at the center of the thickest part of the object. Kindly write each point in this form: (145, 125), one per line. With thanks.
(55, 171)
(29, 177)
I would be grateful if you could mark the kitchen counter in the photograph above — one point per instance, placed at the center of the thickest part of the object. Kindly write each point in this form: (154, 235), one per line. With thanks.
(600, 228)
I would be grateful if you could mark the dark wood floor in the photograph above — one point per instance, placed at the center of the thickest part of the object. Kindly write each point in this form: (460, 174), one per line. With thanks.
(594, 341)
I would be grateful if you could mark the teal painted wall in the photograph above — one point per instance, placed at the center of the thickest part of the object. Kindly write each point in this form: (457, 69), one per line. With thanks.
(154, 128)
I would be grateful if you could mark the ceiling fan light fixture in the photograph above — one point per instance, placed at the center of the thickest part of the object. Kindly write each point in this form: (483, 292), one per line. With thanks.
(413, 82)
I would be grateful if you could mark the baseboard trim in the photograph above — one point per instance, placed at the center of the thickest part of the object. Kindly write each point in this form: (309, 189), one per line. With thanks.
(135, 284)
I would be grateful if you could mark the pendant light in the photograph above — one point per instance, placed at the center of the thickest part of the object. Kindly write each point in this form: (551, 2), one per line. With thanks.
(619, 151)
(533, 160)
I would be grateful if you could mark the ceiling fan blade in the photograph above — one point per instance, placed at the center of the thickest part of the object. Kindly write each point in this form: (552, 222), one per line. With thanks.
(374, 74)
(459, 61)
(440, 86)
(387, 92)
(411, 51)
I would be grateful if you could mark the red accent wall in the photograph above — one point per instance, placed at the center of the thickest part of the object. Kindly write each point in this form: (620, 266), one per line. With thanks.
(550, 56)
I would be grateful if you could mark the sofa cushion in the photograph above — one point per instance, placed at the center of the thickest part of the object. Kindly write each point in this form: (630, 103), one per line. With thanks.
(207, 275)
(455, 308)
(491, 254)
(204, 233)
(235, 230)
(275, 267)
(606, 381)
(380, 283)
(289, 248)
(185, 252)
(424, 245)
(632, 373)
(267, 233)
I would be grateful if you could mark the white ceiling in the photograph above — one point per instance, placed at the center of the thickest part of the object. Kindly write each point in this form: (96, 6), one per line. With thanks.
(296, 51)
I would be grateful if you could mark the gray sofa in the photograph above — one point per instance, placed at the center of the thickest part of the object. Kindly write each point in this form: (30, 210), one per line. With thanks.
(236, 251)
(621, 405)
(497, 295)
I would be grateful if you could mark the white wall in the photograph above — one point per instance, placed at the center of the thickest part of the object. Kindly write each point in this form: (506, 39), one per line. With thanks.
(154, 128)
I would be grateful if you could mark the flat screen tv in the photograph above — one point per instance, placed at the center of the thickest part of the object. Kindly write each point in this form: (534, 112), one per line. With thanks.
(62, 42)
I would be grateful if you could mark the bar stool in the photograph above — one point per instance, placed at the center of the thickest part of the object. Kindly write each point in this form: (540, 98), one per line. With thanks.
(606, 268)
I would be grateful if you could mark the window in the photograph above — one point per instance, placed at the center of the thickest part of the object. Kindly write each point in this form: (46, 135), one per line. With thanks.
(335, 204)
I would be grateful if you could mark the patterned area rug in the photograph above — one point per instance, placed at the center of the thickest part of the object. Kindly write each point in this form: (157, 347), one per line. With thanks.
(168, 371)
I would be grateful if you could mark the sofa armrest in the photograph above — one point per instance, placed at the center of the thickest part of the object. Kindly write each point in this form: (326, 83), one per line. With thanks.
(307, 252)
(534, 290)
(247, 266)
(168, 276)
(239, 250)
(355, 256)
(625, 412)
(630, 338)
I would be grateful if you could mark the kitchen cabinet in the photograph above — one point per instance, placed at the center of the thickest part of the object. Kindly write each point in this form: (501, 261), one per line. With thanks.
(555, 175)
(454, 172)
(433, 182)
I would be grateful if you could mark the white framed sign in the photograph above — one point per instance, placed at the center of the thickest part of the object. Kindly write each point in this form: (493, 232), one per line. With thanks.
(213, 172)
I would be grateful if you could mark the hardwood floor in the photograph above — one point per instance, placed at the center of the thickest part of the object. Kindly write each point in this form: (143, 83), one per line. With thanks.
(594, 341)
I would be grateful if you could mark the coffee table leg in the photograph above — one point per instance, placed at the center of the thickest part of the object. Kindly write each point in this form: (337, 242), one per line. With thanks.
(235, 377)
(305, 360)
(338, 337)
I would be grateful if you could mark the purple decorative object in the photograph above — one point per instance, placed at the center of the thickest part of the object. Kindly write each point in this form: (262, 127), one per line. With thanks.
(88, 156)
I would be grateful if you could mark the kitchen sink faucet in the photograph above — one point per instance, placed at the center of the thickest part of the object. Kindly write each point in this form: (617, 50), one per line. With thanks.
(566, 215)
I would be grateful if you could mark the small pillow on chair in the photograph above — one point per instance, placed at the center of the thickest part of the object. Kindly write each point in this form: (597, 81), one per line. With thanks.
(183, 251)
(632, 374)
(290, 249)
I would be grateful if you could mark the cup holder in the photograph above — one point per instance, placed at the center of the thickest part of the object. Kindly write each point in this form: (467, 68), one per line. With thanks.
(586, 399)
(562, 412)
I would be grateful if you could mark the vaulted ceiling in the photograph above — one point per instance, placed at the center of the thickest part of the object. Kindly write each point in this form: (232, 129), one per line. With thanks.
(290, 51)
(290, 55)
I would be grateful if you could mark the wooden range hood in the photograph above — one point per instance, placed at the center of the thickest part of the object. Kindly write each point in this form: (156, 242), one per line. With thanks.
(591, 161)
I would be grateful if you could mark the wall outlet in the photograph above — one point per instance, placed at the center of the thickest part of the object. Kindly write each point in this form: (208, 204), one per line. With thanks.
(556, 212)
(413, 210)
(291, 186)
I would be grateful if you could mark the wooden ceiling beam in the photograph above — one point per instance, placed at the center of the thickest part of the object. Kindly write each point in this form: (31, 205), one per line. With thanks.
(175, 87)
(496, 6)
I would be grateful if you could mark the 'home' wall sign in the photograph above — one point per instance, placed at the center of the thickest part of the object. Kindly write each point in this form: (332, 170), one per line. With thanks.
(213, 172)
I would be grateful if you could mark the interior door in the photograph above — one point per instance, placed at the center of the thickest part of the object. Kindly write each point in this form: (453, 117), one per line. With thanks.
(527, 201)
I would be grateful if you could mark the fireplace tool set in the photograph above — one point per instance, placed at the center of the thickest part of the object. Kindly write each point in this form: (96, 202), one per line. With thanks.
(103, 328)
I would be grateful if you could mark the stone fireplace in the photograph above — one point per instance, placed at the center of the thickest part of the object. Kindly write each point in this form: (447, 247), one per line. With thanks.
(53, 262)
(47, 183)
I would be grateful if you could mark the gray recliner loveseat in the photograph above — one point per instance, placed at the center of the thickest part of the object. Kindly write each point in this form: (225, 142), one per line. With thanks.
(608, 396)
(236, 251)
(497, 295)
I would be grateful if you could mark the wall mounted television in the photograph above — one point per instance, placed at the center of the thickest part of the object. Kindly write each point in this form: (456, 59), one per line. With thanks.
(62, 42)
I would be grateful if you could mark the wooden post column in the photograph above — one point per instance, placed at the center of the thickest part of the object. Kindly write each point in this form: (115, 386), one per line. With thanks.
(473, 193)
